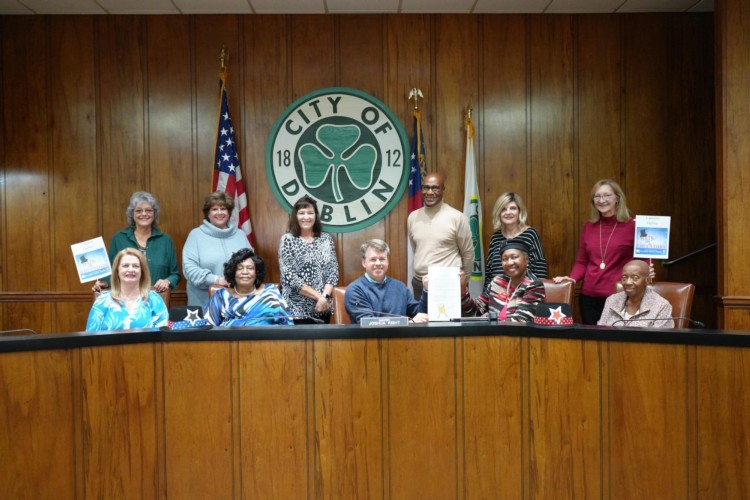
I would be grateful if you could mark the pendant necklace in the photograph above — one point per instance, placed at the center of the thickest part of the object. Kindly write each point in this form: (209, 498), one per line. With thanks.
(243, 294)
(143, 247)
(603, 253)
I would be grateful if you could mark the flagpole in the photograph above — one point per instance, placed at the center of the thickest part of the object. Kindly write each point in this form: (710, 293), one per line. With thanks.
(416, 170)
(227, 175)
(223, 57)
(415, 94)
(473, 206)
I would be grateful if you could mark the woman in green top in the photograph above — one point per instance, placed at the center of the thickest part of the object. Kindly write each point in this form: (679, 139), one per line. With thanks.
(143, 216)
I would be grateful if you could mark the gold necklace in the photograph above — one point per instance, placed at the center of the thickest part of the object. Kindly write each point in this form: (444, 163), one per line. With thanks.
(243, 294)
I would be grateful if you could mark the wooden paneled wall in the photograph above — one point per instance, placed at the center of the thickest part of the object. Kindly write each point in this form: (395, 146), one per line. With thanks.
(438, 418)
(733, 150)
(96, 107)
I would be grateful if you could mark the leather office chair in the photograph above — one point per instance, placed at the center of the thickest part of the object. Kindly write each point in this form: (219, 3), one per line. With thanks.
(680, 295)
(165, 296)
(212, 290)
(340, 316)
(558, 292)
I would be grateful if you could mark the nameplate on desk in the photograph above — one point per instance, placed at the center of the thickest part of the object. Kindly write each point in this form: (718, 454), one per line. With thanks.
(384, 321)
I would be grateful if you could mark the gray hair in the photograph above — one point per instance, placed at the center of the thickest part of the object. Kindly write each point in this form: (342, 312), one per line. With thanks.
(379, 245)
(140, 197)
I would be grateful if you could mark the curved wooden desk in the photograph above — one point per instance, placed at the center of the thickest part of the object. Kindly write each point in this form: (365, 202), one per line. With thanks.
(427, 411)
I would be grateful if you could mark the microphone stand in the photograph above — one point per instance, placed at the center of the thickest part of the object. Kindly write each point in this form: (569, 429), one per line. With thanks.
(697, 324)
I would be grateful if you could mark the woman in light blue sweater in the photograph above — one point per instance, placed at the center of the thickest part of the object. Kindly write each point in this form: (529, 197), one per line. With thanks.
(209, 246)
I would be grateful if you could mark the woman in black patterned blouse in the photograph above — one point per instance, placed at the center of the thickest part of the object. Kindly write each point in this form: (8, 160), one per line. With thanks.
(509, 221)
(308, 264)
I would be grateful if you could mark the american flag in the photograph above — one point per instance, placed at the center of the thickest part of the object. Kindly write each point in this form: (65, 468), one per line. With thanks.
(227, 176)
(417, 170)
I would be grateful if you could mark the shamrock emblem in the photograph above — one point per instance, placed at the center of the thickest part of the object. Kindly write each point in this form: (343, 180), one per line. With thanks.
(339, 155)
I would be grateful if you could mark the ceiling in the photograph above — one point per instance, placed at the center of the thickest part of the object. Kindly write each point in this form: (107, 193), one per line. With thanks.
(348, 6)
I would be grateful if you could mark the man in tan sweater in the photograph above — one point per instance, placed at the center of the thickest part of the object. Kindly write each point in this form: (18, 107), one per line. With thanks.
(439, 234)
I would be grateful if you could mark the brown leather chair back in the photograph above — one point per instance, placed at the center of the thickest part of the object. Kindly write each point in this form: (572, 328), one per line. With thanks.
(340, 316)
(165, 296)
(558, 292)
(213, 289)
(680, 295)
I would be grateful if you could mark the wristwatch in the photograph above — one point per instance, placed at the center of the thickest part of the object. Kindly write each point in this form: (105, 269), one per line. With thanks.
(327, 296)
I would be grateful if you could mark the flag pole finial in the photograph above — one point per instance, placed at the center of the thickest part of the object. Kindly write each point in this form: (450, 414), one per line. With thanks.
(415, 94)
(223, 57)
(468, 111)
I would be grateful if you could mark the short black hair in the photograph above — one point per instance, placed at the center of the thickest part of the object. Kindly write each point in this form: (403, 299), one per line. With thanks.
(240, 256)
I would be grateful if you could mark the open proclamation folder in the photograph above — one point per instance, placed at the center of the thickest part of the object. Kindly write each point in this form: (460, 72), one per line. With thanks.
(444, 294)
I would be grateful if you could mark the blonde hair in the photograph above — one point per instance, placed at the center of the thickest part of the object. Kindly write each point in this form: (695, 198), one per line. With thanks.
(503, 201)
(621, 212)
(145, 282)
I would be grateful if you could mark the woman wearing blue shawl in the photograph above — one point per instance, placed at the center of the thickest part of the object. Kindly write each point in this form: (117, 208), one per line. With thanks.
(247, 301)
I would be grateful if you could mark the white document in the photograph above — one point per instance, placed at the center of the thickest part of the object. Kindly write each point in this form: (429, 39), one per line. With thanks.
(651, 237)
(92, 261)
(444, 293)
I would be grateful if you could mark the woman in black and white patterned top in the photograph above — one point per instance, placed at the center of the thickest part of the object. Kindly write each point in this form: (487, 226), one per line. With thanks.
(509, 221)
(308, 265)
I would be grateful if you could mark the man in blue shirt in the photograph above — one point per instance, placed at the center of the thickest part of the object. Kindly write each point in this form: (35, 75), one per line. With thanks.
(375, 294)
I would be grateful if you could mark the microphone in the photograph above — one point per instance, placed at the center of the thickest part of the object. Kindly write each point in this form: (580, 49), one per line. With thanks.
(276, 319)
(471, 319)
(489, 318)
(296, 320)
(306, 319)
(696, 324)
(178, 326)
(17, 331)
(378, 313)
(382, 313)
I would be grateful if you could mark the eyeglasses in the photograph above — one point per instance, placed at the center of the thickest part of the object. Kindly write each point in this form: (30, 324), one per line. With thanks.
(602, 196)
(431, 188)
(140, 211)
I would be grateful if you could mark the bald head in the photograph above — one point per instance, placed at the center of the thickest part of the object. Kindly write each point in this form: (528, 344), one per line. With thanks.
(434, 178)
(634, 279)
(432, 189)
(638, 266)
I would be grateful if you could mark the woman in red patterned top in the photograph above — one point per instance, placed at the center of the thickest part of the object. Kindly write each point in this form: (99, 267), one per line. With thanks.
(513, 295)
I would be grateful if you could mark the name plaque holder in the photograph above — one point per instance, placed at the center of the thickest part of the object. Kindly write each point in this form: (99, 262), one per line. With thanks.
(384, 321)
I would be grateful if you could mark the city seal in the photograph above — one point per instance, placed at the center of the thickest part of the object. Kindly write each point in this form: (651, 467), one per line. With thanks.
(344, 148)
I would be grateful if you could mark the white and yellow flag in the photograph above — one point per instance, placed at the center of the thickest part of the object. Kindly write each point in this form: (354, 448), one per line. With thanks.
(473, 210)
